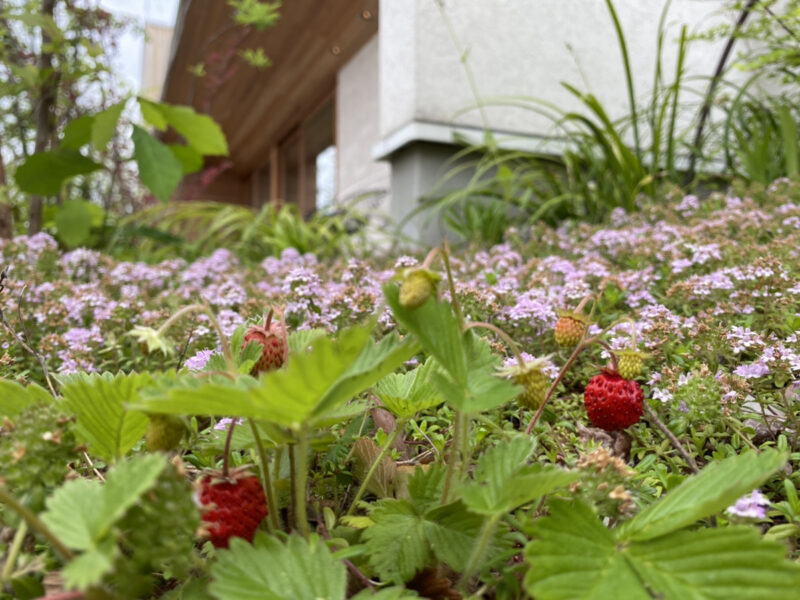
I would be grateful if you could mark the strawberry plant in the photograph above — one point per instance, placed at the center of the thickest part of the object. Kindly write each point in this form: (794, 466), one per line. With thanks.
(432, 447)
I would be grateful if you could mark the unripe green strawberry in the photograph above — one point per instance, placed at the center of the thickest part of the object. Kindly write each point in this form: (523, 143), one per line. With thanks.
(418, 285)
(630, 363)
(533, 381)
(570, 329)
(164, 433)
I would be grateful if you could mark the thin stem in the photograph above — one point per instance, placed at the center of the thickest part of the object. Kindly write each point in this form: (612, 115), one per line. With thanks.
(633, 332)
(614, 366)
(36, 524)
(479, 549)
(452, 285)
(292, 520)
(13, 552)
(652, 416)
(578, 349)
(451, 463)
(300, 480)
(464, 445)
(434, 252)
(226, 458)
(583, 302)
(266, 479)
(502, 334)
(223, 339)
(398, 428)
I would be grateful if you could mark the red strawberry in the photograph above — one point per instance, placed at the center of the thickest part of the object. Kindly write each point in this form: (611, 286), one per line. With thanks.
(232, 506)
(569, 329)
(613, 402)
(274, 342)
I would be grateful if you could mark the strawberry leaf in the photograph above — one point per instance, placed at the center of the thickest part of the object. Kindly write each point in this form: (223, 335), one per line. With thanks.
(573, 556)
(396, 542)
(14, 398)
(715, 488)
(405, 394)
(103, 417)
(273, 570)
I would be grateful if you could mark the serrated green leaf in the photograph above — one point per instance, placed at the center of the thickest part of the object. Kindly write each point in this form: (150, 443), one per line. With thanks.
(159, 170)
(271, 570)
(715, 488)
(425, 486)
(573, 557)
(729, 563)
(201, 132)
(390, 593)
(436, 328)
(188, 395)
(72, 513)
(103, 419)
(373, 362)
(405, 394)
(14, 397)
(78, 132)
(105, 124)
(44, 173)
(504, 480)
(73, 222)
(300, 340)
(452, 532)
(88, 569)
(396, 543)
(81, 512)
(190, 159)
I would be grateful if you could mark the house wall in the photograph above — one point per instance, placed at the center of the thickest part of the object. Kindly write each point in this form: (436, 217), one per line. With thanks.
(357, 127)
(525, 48)
(515, 49)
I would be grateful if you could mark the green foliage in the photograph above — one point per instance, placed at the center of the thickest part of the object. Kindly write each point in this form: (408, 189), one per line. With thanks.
(45, 173)
(101, 405)
(14, 397)
(74, 222)
(159, 170)
(273, 570)
(718, 486)
(343, 368)
(575, 556)
(405, 394)
(504, 480)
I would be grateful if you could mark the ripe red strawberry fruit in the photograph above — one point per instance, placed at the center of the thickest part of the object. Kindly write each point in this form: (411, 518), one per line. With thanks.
(612, 402)
(232, 506)
(569, 329)
(274, 341)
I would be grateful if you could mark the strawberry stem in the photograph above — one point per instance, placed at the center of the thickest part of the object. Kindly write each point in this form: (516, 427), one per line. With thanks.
(398, 428)
(268, 319)
(503, 335)
(228, 439)
(35, 523)
(266, 480)
(652, 416)
(434, 252)
(301, 482)
(583, 302)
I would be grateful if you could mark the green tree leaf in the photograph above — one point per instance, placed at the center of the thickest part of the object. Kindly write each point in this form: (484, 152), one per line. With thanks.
(190, 159)
(45, 172)
(73, 222)
(103, 419)
(201, 132)
(396, 542)
(152, 114)
(105, 124)
(271, 570)
(715, 488)
(159, 170)
(78, 132)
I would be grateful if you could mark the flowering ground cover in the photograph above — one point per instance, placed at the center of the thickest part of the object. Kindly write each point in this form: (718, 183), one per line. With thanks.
(401, 456)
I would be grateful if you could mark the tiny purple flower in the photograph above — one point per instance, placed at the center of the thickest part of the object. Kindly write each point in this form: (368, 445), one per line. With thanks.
(750, 506)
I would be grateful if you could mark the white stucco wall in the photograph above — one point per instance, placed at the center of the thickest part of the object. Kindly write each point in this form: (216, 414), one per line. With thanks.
(357, 126)
(522, 48)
